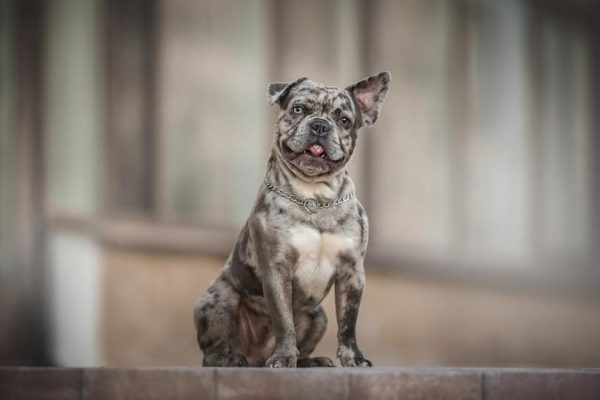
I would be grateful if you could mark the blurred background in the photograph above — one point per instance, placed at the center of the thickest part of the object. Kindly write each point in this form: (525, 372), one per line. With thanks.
(134, 136)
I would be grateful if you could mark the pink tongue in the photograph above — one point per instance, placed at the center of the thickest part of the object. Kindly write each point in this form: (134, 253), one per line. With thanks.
(315, 150)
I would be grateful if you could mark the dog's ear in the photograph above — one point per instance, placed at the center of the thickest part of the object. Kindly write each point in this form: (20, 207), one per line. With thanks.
(369, 95)
(277, 91)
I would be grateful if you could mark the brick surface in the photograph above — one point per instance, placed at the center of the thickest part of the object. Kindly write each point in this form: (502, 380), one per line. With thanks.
(149, 384)
(541, 384)
(257, 383)
(316, 383)
(39, 384)
(411, 384)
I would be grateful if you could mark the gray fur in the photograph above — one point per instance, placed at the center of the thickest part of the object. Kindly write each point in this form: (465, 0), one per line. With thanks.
(264, 307)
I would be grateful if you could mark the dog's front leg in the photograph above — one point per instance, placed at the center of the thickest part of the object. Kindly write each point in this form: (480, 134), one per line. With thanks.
(277, 288)
(349, 284)
(275, 262)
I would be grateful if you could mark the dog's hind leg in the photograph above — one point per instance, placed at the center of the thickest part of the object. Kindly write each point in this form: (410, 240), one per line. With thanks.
(215, 318)
(310, 328)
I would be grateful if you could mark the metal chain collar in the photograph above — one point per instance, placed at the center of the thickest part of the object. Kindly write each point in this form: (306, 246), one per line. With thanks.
(311, 205)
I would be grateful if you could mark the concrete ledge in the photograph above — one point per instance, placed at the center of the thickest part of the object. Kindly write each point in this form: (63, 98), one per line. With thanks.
(334, 383)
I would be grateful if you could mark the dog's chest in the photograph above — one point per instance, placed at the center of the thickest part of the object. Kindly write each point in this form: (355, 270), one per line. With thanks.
(318, 256)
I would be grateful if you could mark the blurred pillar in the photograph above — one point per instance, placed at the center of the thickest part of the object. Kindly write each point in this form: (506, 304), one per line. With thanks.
(595, 128)
(213, 138)
(23, 336)
(74, 109)
(130, 67)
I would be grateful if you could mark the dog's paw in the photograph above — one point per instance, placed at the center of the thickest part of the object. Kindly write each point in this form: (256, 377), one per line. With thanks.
(281, 360)
(311, 362)
(359, 362)
(351, 356)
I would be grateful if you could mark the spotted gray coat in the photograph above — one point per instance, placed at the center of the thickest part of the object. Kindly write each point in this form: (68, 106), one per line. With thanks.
(264, 309)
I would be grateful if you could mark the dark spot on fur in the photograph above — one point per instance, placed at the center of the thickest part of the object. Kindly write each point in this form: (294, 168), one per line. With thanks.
(291, 256)
(261, 205)
(342, 221)
(206, 344)
(241, 274)
(344, 275)
(202, 324)
(347, 259)
(207, 306)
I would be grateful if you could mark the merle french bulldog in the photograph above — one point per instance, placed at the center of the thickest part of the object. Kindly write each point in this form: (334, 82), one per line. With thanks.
(306, 232)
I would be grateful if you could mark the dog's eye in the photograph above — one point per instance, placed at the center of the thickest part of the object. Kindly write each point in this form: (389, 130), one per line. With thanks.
(345, 120)
(297, 109)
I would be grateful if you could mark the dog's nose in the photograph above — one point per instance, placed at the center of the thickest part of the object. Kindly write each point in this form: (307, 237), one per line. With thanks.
(320, 127)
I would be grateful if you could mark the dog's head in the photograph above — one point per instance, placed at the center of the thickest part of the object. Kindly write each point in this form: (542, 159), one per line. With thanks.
(317, 126)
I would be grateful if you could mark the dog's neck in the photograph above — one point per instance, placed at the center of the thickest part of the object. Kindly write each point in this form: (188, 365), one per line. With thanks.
(322, 189)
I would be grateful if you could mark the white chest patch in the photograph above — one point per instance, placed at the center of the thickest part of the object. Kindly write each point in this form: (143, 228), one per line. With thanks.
(318, 256)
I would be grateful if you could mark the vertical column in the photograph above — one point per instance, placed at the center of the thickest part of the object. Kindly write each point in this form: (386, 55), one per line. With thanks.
(131, 119)
(212, 109)
(409, 206)
(73, 118)
(594, 237)
(22, 183)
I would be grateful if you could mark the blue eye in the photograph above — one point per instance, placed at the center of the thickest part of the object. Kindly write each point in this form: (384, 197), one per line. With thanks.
(297, 110)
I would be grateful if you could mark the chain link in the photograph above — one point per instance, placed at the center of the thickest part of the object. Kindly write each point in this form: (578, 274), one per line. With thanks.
(311, 205)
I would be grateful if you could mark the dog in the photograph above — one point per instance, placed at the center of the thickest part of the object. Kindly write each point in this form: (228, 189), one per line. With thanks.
(306, 233)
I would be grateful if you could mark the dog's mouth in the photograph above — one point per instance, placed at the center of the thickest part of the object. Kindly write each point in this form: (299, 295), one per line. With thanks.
(312, 160)
(314, 151)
